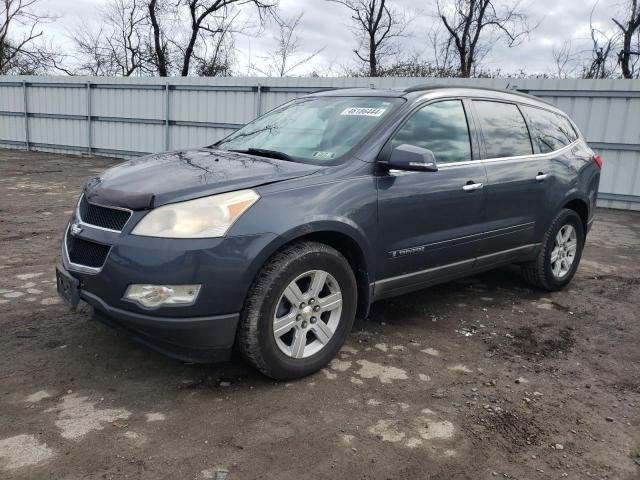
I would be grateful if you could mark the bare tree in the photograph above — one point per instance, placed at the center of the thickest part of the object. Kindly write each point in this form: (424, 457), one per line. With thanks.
(90, 54)
(630, 28)
(23, 52)
(603, 44)
(131, 28)
(217, 55)
(159, 43)
(476, 25)
(564, 59)
(443, 50)
(377, 25)
(201, 16)
(598, 65)
(119, 45)
(285, 58)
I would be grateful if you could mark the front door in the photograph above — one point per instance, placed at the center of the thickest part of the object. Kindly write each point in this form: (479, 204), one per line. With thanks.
(430, 222)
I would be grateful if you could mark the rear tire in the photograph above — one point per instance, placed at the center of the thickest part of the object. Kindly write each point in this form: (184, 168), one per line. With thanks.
(560, 253)
(291, 339)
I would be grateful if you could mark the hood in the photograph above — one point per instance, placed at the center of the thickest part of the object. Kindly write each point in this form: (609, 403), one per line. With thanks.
(170, 177)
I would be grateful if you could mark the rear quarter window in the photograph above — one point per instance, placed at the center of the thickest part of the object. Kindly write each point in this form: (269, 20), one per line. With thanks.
(503, 128)
(550, 131)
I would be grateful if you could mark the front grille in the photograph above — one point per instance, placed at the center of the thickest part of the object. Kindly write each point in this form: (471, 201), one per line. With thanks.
(86, 253)
(104, 217)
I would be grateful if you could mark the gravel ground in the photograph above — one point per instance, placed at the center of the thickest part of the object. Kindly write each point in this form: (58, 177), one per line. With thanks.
(475, 379)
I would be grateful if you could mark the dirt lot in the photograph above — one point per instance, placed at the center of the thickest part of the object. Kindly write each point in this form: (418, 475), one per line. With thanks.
(475, 379)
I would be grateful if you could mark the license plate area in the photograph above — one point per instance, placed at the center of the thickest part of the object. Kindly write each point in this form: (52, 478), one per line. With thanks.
(68, 287)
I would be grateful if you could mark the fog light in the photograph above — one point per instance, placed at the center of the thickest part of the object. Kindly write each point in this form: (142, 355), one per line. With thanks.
(156, 295)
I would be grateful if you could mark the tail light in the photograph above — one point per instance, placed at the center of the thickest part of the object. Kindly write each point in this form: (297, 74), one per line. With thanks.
(597, 159)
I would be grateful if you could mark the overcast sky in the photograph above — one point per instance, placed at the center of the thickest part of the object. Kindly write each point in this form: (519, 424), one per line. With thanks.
(326, 24)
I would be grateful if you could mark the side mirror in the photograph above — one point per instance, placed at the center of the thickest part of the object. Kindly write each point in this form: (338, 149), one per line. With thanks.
(412, 158)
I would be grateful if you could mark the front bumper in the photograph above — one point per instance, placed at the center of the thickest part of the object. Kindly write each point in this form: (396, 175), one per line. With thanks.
(194, 339)
(203, 331)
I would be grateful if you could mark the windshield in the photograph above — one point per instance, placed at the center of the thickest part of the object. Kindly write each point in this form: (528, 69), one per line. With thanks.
(319, 129)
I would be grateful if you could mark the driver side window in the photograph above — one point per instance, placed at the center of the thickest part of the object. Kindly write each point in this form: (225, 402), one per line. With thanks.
(440, 127)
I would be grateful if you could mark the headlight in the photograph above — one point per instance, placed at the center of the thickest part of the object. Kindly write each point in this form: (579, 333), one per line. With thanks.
(200, 218)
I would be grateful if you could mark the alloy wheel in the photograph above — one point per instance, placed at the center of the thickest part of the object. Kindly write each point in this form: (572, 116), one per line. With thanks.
(564, 251)
(307, 314)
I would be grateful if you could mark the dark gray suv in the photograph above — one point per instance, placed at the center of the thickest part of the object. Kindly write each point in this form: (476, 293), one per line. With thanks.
(273, 239)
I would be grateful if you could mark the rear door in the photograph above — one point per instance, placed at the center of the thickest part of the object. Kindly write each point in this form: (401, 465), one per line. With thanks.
(429, 222)
(551, 133)
(517, 181)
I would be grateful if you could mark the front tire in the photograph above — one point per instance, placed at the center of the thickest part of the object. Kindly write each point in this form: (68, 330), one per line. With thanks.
(560, 254)
(299, 311)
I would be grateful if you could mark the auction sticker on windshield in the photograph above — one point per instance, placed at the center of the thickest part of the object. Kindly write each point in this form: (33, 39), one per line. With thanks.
(365, 112)
(323, 155)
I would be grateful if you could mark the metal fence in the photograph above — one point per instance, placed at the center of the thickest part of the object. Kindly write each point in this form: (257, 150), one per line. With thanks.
(126, 117)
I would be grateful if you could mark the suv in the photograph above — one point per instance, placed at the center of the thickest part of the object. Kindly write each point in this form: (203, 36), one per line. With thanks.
(275, 238)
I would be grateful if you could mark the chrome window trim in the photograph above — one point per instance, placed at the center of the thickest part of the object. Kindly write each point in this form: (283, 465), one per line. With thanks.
(91, 225)
(428, 100)
(540, 156)
(75, 266)
(515, 158)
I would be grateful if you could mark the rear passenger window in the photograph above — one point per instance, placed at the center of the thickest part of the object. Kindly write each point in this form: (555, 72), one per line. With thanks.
(549, 130)
(503, 129)
(440, 127)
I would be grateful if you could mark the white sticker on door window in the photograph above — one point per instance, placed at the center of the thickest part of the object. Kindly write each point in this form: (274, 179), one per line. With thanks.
(364, 112)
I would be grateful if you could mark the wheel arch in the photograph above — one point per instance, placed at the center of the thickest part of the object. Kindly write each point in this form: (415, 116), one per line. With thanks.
(581, 207)
(348, 247)
(346, 240)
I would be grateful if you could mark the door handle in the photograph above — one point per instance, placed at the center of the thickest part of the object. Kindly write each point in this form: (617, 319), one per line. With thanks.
(541, 176)
(470, 187)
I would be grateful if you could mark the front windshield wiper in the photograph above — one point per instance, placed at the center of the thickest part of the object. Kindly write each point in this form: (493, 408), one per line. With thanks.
(263, 152)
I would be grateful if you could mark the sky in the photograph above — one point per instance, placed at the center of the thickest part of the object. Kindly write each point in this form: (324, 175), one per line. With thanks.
(327, 25)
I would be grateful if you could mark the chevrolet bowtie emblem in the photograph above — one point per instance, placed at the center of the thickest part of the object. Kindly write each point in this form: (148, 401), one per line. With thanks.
(76, 229)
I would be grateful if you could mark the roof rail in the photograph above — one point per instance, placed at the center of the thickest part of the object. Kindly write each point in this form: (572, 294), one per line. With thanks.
(419, 88)
(520, 92)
